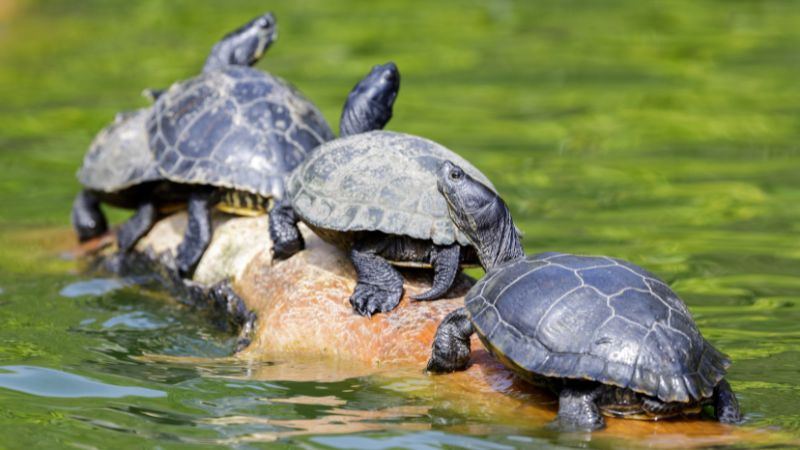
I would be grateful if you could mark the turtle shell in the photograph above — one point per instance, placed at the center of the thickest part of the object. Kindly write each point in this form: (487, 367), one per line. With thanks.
(119, 156)
(237, 128)
(378, 181)
(596, 318)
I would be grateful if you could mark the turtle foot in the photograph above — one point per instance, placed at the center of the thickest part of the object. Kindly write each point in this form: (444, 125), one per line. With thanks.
(451, 345)
(368, 299)
(437, 364)
(234, 310)
(283, 231)
(573, 424)
(185, 265)
(285, 249)
(577, 408)
(726, 405)
(87, 218)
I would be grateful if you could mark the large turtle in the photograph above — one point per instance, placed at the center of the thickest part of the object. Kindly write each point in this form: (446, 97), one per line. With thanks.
(374, 195)
(235, 134)
(610, 337)
(119, 169)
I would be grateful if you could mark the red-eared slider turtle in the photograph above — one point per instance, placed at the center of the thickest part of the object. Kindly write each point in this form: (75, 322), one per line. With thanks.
(374, 194)
(608, 336)
(237, 133)
(119, 168)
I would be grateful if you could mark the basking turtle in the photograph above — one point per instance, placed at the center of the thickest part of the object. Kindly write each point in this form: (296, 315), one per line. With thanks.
(236, 133)
(374, 195)
(119, 168)
(608, 336)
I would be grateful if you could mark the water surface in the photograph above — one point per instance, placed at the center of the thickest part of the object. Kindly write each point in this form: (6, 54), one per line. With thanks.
(664, 133)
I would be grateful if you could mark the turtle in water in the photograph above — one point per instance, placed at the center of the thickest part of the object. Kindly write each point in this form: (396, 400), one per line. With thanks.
(119, 169)
(374, 195)
(609, 337)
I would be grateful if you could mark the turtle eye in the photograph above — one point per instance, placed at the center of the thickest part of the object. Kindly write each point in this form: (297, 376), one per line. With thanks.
(456, 174)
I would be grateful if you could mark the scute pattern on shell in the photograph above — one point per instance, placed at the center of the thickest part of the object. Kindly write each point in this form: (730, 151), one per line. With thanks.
(119, 156)
(378, 181)
(238, 128)
(597, 318)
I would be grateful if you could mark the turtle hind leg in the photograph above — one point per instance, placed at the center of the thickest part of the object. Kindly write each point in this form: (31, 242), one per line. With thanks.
(444, 260)
(577, 408)
(87, 218)
(197, 235)
(286, 237)
(726, 407)
(379, 286)
(134, 228)
(656, 408)
(451, 345)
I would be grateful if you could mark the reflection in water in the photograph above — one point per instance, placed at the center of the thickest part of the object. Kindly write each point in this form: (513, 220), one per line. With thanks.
(334, 421)
(55, 383)
(93, 287)
(137, 320)
(426, 440)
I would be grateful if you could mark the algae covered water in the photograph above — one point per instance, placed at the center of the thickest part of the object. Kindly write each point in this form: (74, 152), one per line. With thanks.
(665, 133)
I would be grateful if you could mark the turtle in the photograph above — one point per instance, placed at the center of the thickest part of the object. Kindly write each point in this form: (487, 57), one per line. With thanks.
(374, 195)
(119, 169)
(608, 336)
(235, 134)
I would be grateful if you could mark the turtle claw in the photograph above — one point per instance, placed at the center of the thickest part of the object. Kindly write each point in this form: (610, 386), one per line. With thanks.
(379, 286)
(436, 365)
(282, 250)
(369, 299)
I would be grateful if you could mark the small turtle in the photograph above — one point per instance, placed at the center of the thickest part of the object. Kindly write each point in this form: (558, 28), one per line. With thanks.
(608, 336)
(119, 168)
(236, 133)
(374, 195)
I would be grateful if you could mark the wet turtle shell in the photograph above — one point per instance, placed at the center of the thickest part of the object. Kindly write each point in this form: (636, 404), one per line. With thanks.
(596, 318)
(237, 128)
(378, 181)
(119, 157)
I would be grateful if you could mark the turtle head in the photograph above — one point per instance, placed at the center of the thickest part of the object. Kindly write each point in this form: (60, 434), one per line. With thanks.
(245, 45)
(481, 214)
(369, 105)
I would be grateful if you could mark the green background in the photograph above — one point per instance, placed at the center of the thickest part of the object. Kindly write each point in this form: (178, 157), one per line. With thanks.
(664, 132)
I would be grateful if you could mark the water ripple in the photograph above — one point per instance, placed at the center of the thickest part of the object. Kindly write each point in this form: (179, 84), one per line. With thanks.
(55, 383)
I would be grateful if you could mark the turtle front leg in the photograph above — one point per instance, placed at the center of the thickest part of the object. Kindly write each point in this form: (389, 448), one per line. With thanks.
(134, 228)
(379, 286)
(87, 218)
(451, 345)
(444, 260)
(286, 237)
(726, 407)
(197, 235)
(577, 408)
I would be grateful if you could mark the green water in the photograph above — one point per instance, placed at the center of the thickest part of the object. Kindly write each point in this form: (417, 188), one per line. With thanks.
(665, 133)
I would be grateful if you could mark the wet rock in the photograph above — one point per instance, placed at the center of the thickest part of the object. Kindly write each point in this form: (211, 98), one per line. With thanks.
(301, 305)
